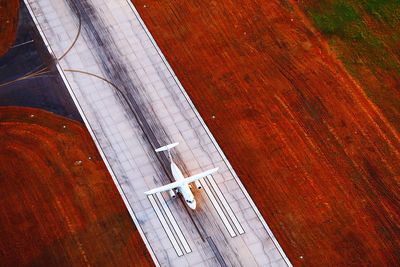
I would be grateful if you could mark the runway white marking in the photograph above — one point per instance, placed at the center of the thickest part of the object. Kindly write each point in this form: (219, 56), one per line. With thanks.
(218, 208)
(165, 226)
(174, 224)
(226, 205)
(24, 43)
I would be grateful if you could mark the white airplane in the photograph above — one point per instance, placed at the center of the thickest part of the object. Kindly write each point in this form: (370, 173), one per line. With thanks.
(181, 184)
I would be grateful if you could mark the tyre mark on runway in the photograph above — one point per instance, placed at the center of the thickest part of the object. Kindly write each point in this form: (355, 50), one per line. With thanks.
(111, 62)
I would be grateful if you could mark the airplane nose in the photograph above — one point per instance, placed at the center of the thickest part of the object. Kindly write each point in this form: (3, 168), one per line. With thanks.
(192, 205)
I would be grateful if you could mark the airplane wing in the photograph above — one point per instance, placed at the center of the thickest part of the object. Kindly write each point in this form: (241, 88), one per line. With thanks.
(198, 176)
(164, 188)
(180, 183)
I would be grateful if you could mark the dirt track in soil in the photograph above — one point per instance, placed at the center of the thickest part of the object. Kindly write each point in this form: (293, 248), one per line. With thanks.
(59, 206)
(9, 10)
(319, 159)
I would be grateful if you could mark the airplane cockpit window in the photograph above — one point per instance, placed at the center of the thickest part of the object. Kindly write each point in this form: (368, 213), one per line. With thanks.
(189, 201)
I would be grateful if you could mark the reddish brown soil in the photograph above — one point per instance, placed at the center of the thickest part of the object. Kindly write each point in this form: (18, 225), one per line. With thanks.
(319, 159)
(8, 23)
(59, 206)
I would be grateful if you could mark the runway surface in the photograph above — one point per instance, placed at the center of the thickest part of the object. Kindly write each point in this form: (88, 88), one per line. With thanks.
(132, 103)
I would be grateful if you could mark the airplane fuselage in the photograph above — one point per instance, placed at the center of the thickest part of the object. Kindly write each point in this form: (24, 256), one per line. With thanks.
(181, 183)
(184, 189)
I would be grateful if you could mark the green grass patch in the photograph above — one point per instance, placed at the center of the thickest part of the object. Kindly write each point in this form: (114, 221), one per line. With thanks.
(343, 20)
(340, 19)
(365, 36)
(384, 10)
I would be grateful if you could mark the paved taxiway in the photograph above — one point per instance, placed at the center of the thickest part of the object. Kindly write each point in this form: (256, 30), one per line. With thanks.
(132, 102)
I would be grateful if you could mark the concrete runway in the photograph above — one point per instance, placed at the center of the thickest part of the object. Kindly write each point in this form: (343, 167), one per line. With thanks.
(132, 103)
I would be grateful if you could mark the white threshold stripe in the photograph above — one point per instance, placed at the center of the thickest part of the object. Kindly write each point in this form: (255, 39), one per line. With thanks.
(174, 223)
(165, 226)
(225, 204)
(218, 209)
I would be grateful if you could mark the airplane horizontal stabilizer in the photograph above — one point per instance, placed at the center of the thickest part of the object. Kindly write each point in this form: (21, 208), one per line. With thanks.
(167, 147)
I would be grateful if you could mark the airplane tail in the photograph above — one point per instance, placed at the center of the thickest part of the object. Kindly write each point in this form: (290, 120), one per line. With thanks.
(167, 147)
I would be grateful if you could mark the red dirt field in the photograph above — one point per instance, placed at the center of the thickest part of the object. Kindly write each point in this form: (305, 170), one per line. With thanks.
(9, 13)
(318, 157)
(59, 206)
